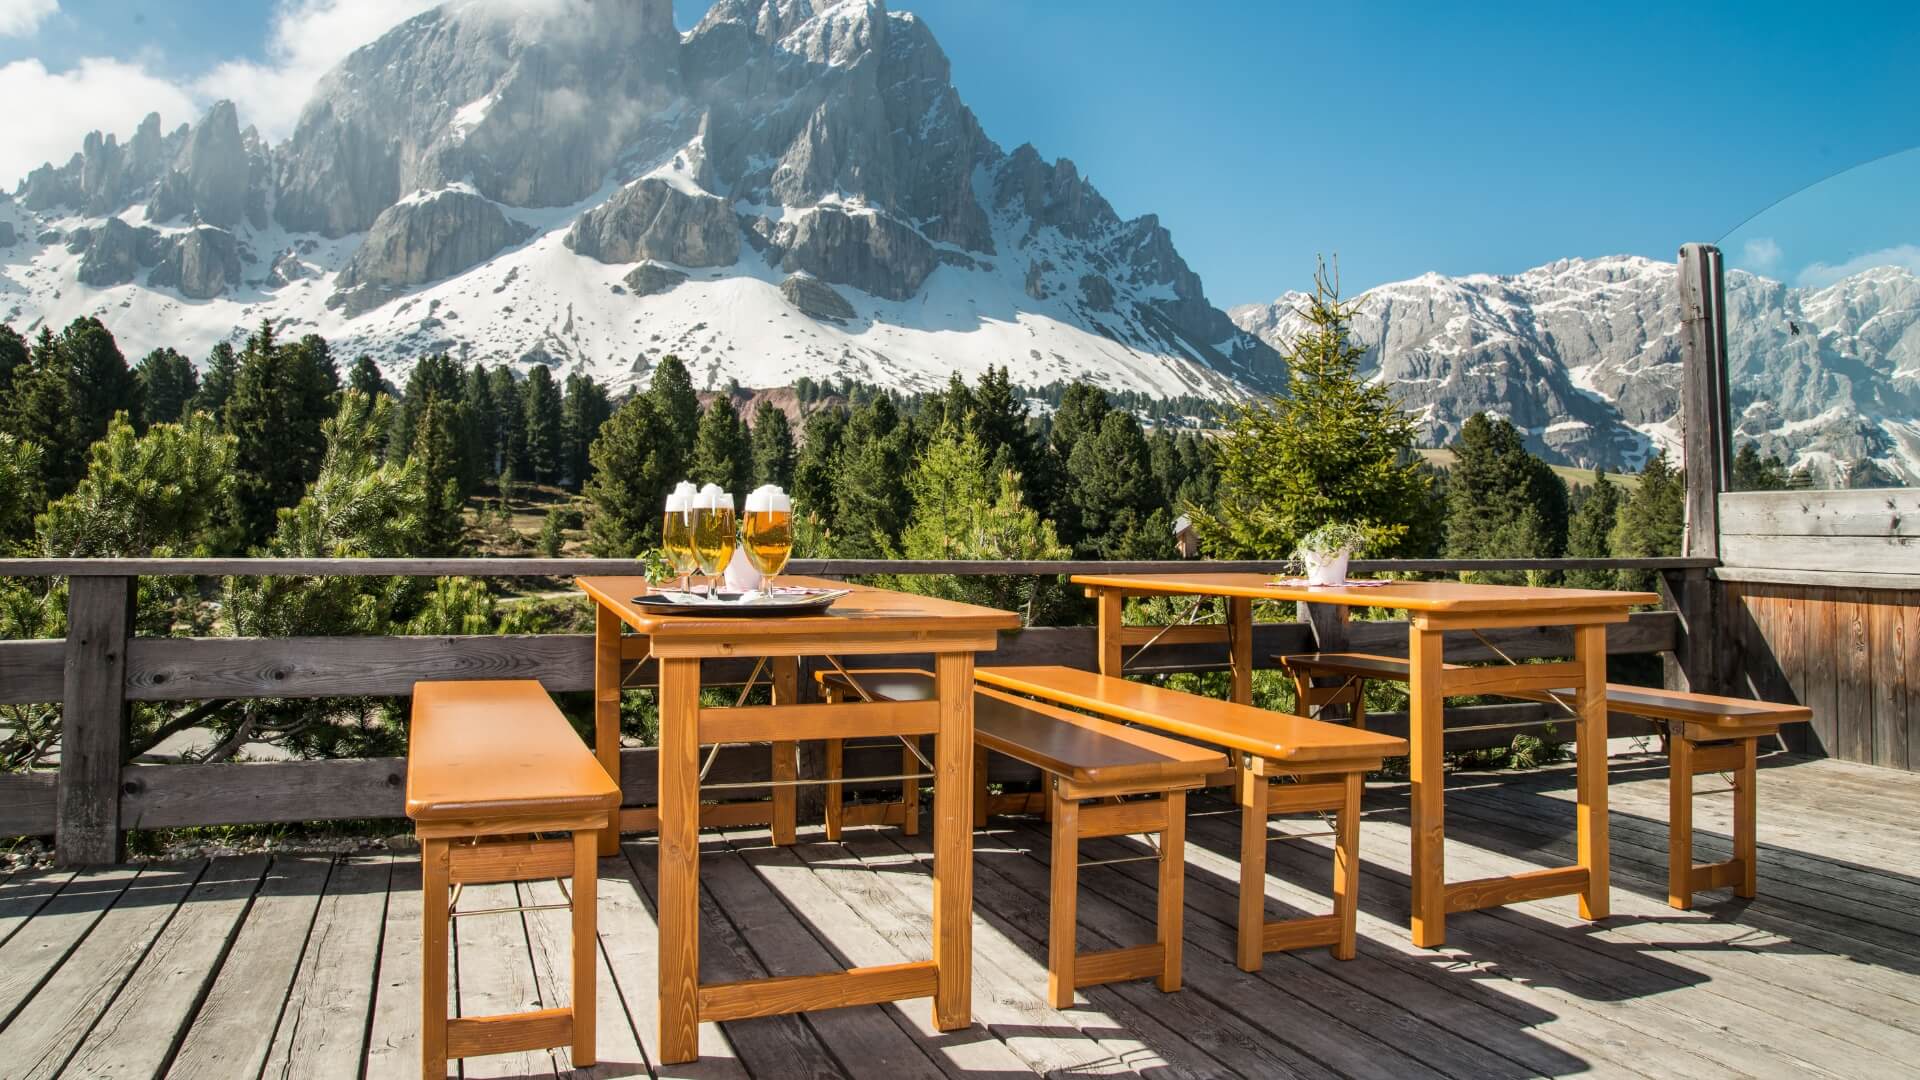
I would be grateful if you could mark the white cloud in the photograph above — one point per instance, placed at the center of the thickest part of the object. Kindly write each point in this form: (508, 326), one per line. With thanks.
(59, 108)
(1820, 275)
(22, 18)
(50, 112)
(1761, 255)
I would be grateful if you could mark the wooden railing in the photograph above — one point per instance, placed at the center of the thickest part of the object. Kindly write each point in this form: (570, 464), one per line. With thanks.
(101, 667)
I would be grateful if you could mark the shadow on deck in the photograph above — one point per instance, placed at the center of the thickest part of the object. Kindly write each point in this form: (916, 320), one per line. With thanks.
(306, 965)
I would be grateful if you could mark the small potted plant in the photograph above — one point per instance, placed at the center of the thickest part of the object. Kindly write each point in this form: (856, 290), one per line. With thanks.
(1324, 551)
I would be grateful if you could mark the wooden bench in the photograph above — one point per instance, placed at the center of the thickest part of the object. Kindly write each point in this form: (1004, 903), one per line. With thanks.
(1705, 733)
(1103, 779)
(1283, 764)
(490, 765)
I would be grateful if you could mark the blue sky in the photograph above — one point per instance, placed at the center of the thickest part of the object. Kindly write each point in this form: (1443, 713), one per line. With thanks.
(1402, 137)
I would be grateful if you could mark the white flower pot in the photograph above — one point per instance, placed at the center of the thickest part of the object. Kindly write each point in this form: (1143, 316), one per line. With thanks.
(1327, 568)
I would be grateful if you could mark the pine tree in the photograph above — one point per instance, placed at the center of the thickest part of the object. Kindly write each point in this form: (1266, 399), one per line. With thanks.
(678, 407)
(587, 406)
(21, 495)
(282, 398)
(1590, 532)
(223, 365)
(102, 383)
(772, 446)
(813, 466)
(1335, 448)
(365, 379)
(1503, 502)
(870, 499)
(434, 378)
(1751, 472)
(544, 422)
(144, 495)
(38, 412)
(436, 453)
(13, 356)
(721, 453)
(482, 431)
(631, 478)
(168, 385)
(1110, 497)
(1652, 523)
(512, 411)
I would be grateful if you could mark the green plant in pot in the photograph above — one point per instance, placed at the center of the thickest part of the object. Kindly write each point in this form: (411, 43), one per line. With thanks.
(1324, 552)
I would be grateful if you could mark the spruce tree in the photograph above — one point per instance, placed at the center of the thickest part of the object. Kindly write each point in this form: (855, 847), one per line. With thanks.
(436, 453)
(586, 407)
(102, 383)
(168, 384)
(870, 498)
(772, 446)
(1503, 502)
(544, 420)
(1652, 522)
(223, 365)
(513, 423)
(13, 355)
(1590, 532)
(813, 465)
(1335, 448)
(39, 412)
(1751, 472)
(721, 453)
(282, 398)
(434, 378)
(482, 431)
(631, 477)
(678, 407)
(1110, 497)
(365, 379)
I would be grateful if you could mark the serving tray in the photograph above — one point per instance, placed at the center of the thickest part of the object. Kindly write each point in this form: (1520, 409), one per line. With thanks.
(742, 605)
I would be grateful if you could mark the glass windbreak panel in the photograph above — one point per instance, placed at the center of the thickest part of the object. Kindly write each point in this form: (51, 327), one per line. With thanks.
(1823, 333)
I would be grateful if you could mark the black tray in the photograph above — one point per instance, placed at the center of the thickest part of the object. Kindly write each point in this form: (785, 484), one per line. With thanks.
(730, 605)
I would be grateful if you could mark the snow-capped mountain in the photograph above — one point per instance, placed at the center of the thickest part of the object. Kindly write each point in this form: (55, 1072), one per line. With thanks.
(1585, 355)
(791, 188)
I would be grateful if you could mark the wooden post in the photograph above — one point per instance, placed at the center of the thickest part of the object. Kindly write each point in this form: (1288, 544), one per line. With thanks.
(1329, 622)
(953, 842)
(1426, 724)
(1703, 660)
(679, 890)
(606, 708)
(1708, 457)
(93, 735)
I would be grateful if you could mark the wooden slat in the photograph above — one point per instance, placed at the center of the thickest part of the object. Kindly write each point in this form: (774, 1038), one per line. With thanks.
(1122, 819)
(195, 669)
(1197, 634)
(35, 949)
(1853, 674)
(1116, 965)
(323, 1028)
(393, 1032)
(1884, 512)
(1842, 554)
(1720, 875)
(793, 993)
(1503, 678)
(472, 1036)
(1281, 935)
(27, 803)
(791, 722)
(1718, 757)
(712, 816)
(509, 860)
(1306, 797)
(234, 1027)
(1526, 885)
(32, 671)
(1891, 666)
(93, 733)
(1643, 632)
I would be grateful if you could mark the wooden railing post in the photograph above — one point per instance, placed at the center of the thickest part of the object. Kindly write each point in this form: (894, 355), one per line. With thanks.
(1701, 659)
(1704, 409)
(93, 732)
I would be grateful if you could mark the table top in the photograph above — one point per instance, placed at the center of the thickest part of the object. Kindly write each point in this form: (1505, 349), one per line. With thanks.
(1432, 596)
(864, 611)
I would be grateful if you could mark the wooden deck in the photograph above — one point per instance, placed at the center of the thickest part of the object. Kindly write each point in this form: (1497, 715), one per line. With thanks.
(306, 965)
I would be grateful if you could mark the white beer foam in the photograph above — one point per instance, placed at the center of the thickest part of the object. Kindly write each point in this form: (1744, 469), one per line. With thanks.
(767, 499)
(712, 497)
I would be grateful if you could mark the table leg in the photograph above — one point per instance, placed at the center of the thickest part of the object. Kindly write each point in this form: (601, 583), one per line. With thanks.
(606, 709)
(1426, 731)
(1240, 647)
(679, 894)
(1112, 606)
(1590, 702)
(953, 842)
(786, 755)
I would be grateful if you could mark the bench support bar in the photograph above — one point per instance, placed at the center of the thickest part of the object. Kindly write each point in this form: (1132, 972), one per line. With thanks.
(799, 993)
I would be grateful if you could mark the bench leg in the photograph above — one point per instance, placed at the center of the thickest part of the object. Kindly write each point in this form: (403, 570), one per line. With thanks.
(1359, 705)
(1746, 846)
(979, 787)
(836, 764)
(1172, 898)
(1063, 904)
(1346, 868)
(910, 790)
(586, 947)
(1250, 791)
(434, 883)
(785, 677)
(1680, 821)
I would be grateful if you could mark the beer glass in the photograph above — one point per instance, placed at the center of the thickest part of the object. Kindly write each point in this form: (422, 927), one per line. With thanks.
(715, 531)
(768, 531)
(676, 534)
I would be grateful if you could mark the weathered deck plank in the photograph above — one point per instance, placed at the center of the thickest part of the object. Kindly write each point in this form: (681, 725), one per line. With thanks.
(307, 965)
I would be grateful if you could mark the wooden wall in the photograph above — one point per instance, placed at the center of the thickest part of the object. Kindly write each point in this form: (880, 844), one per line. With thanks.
(1822, 601)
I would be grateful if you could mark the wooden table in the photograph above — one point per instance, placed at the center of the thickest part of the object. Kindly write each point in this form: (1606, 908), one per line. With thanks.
(1433, 608)
(868, 622)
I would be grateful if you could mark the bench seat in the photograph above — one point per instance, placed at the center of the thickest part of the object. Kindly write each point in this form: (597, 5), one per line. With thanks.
(1705, 733)
(1281, 764)
(488, 763)
(1103, 780)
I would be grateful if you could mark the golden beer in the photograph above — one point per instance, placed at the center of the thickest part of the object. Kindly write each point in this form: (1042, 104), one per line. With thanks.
(676, 542)
(769, 539)
(714, 534)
